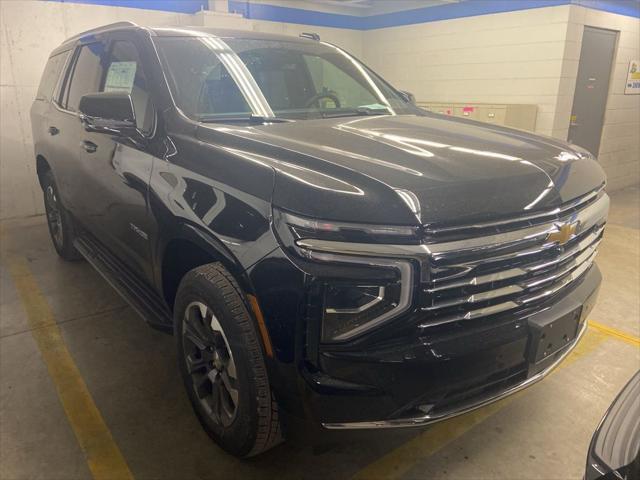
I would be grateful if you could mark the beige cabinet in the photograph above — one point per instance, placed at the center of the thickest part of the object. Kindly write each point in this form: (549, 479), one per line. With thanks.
(443, 108)
(518, 116)
(492, 114)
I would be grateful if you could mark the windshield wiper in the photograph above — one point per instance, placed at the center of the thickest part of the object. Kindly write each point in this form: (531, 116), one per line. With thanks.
(251, 119)
(358, 112)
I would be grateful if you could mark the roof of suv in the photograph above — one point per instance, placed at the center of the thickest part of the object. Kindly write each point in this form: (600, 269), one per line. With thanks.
(178, 31)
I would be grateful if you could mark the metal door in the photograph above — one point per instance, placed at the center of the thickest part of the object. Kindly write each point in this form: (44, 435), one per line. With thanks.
(592, 87)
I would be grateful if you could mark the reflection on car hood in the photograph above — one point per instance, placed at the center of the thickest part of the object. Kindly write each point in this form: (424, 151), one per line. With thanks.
(445, 169)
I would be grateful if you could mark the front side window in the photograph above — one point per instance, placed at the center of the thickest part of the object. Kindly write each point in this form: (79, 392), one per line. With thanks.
(86, 76)
(212, 76)
(50, 76)
(201, 84)
(124, 74)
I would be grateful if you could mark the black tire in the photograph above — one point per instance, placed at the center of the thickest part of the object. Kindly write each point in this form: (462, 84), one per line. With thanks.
(217, 339)
(59, 220)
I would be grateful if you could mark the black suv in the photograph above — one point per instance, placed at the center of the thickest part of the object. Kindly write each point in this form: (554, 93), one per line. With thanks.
(321, 248)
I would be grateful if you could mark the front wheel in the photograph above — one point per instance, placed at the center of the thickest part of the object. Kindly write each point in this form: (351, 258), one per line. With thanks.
(221, 361)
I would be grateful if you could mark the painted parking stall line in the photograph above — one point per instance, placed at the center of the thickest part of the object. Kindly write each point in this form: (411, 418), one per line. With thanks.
(104, 459)
(615, 333)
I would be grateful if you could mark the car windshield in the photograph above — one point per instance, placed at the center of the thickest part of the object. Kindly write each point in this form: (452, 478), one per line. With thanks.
(214, 79)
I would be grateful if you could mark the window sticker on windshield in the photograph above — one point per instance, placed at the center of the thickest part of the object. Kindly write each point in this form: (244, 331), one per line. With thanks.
(120, 77)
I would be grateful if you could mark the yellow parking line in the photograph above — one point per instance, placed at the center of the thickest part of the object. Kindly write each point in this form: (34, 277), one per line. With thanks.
(102, 454)
(398, 462)
(614, 332)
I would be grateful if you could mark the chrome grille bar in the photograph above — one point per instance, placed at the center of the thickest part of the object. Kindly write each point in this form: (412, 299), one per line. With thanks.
(587, 255)
(518, 271)
(587, 218)
(512, 304)
(468, 266)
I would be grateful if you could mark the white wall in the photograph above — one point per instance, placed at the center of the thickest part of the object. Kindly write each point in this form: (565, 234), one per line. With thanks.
(30, 30)
(528, 56)
(513, 57)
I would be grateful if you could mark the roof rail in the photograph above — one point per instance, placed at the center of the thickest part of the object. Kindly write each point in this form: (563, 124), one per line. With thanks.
(312, 36)
(102, 29)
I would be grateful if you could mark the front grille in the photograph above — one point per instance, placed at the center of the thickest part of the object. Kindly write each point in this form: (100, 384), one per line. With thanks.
(521, 266)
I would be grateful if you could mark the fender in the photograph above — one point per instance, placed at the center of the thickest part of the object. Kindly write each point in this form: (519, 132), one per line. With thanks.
(207, 243)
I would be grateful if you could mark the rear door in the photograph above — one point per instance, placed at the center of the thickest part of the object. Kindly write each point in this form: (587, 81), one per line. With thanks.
(83, 76)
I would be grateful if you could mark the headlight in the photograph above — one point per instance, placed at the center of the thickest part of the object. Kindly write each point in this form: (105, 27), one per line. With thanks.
(349, 309)
(359, 290)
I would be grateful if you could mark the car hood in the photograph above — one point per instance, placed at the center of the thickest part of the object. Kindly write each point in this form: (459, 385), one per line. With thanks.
(430, 169)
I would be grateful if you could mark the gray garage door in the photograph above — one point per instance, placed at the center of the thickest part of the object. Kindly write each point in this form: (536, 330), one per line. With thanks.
(592, 87)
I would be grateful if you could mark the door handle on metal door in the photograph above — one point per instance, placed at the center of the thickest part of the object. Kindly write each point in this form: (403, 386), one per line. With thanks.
(89, 147)
(53, 130)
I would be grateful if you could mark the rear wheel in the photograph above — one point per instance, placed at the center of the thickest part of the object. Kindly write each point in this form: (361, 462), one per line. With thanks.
(59, 220)
(222, 364)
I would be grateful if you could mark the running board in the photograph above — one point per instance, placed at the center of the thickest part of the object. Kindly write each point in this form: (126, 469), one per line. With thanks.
(139, 296)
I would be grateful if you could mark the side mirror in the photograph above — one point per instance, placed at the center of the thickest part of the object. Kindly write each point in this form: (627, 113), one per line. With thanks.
(108, 112)
(408, 97)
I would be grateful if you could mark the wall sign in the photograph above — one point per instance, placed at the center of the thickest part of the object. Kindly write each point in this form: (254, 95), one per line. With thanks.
(632, 86)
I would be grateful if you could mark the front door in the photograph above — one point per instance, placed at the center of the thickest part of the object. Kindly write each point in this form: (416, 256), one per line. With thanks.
(113, 171)
(592, 87)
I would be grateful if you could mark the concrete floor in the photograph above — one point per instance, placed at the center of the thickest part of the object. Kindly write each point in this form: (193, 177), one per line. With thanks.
(130, 372)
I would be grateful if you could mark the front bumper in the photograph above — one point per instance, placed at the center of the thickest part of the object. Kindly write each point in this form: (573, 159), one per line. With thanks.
(420, 391)
(462, 408)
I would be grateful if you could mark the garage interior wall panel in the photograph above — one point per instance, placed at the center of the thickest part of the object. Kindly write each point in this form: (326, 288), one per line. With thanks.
(504, 58)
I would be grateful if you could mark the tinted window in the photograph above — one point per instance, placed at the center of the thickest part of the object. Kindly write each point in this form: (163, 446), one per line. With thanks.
(281, 75)
(211, 76)
(50, 76)
(201, 83)
(125, 74)
(87, 74)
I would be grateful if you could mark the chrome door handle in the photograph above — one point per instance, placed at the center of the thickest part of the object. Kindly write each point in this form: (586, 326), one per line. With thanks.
(89, 147)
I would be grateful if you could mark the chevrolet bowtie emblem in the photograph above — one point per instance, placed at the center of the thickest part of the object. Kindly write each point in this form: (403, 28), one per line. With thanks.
(564, 234)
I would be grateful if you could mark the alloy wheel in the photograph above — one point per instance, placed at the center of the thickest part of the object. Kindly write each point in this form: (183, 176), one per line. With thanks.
(210, 363)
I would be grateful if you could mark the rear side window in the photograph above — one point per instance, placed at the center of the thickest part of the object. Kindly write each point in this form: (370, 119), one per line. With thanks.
(86, 76)
(50, 76)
